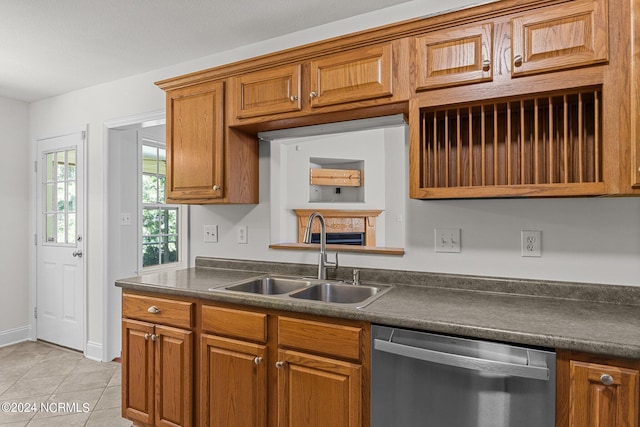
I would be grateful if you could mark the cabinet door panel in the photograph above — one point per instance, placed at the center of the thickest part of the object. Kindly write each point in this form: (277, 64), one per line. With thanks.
(268, 91)
(174, 378)
(352, 76)
(233, 385)
(137, 371)
(454, 57)
(557, 37)
(600, 401)
(318, 392)
(195, 135)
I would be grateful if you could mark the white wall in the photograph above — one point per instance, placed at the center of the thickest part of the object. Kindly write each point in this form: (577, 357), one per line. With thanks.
(15, 173)
(592, 240)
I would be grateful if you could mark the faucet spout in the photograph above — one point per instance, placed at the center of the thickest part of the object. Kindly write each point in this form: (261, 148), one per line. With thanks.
(322, 256)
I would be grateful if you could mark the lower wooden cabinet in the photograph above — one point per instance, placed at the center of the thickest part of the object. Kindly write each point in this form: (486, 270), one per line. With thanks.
(281, 370)
(157, 377)
(597, 392)
(316, 391)
(233, 383)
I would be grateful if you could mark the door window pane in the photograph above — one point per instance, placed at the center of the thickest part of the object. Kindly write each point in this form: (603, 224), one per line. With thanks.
(59, 192)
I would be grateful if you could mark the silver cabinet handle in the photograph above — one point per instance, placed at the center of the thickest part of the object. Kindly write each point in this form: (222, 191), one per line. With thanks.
(606, 379)
(486, 64)
(279, 365)
(147, 336)
(216, 187)
(517, 60)
(257, 360)
(293, 98)
(77, 254)
(460, 361)
(153, 309)
(150, 336)
(313, 94)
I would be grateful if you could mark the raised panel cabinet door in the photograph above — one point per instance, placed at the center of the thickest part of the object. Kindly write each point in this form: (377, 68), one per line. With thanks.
(174, 377)
(557, 37)
(233, 383)
(270, 91)
(455, 56)
(195, 142)
(357, 75)
(603, 396)
(138, 395)
(315, 391)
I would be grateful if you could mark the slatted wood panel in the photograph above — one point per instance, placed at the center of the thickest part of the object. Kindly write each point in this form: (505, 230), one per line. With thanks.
(548, 139)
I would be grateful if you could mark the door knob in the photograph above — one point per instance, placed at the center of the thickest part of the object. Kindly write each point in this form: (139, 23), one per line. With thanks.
(77, 254)
(257, 360)
(313, 94)
(517, 60)
(279, 365)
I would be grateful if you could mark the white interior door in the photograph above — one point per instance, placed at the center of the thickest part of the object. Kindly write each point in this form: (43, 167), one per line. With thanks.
(60, 288)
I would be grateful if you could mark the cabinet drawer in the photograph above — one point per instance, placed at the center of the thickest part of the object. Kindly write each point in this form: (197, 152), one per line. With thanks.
(235, 323)
(158, 310)
(325, 338)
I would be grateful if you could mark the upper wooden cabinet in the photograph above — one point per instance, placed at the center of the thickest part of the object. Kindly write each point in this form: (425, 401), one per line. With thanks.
(455, 56)
(271, 91)
(558, 37)
(207, 162)
(354, 75)
(195, 142)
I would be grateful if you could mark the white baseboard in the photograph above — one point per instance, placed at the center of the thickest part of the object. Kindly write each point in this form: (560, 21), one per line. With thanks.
(94, 351)
(14, 336)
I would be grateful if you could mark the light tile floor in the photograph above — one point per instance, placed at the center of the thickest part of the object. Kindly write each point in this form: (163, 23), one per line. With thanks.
(59, 386)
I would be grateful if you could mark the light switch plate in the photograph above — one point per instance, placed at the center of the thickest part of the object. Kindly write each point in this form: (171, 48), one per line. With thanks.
(125, 218)
(447, 239)
(210, 234)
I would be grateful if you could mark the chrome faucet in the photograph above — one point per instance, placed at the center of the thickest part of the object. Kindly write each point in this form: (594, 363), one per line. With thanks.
(322, 257)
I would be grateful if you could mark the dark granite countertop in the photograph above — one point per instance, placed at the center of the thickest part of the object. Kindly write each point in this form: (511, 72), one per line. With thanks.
(600, 319)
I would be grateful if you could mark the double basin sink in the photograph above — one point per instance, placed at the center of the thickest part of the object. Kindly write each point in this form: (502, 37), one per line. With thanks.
(330, 292)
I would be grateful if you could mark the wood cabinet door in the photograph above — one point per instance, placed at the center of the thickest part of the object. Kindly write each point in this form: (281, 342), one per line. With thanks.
(603, 396)
(558, 37)
(270, 91)
(138, 395)
(233, 383)
(195, 142)
(316, 391)
(455, 56)
(174, 377)
(359, 74)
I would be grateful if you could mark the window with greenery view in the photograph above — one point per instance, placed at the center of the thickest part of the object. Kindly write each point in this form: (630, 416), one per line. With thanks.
(160, 222)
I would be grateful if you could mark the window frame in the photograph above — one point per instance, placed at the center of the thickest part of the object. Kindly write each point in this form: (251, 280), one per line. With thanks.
(182, 210)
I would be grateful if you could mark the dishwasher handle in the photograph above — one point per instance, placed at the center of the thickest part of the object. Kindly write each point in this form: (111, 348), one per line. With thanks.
(460, 361)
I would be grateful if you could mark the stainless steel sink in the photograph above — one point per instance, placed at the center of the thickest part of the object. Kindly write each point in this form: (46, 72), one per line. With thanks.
(270, 286)
(339, 293)
(308, 290)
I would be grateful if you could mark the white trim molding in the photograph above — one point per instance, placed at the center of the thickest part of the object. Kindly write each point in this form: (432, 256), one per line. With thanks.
(15, 335)
(94, 351)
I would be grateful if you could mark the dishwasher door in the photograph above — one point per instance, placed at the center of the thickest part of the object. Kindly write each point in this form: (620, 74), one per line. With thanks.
(421, 379)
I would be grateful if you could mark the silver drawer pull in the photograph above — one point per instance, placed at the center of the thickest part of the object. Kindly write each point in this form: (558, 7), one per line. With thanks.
(153, 309)
(517, 60)
(606, 379)
(279, 365)
(257, 360)
(147, 336)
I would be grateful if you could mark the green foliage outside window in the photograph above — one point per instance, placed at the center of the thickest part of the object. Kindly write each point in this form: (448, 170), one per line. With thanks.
(159, 223)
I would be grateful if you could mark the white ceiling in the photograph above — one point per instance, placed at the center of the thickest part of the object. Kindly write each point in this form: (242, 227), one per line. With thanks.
(53, 47)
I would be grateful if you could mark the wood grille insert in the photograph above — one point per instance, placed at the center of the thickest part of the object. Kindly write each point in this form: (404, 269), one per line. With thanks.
(546, 139)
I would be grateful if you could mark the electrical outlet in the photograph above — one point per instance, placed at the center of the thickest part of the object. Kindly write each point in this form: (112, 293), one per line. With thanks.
(210, 234)
(447, 239)
(531, 241)
(125, 219)
(242, 234)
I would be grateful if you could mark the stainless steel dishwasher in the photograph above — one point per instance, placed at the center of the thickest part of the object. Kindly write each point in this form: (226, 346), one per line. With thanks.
(420, 379)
